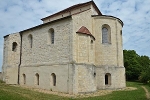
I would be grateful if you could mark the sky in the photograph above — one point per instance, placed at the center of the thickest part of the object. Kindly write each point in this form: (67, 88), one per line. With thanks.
(18, 15)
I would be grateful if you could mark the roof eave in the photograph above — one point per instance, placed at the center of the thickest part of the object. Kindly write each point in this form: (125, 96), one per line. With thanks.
(110, 16)
(46, 23)
(73, 7)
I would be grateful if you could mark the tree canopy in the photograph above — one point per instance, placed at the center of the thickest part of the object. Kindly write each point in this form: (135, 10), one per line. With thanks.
(137, 67)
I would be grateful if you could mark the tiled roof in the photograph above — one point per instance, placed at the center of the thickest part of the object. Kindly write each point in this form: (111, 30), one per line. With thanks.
(84, 30)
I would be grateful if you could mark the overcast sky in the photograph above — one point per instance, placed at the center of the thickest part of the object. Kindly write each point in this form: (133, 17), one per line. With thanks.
(17, 15)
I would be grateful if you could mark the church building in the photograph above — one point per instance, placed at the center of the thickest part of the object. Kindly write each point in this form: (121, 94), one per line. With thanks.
(76, 50)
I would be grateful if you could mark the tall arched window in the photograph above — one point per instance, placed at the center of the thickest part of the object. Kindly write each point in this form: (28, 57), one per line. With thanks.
(14, 46)
(30, 40)
(106, 34)
(107, 79)
(36, 79)
(51, 35)
(24, 79)
(53, 79)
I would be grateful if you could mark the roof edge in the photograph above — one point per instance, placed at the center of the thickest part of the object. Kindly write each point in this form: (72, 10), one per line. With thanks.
(110, 16)
(98, 11)
(84, 30)
(45, 24)
(73, 7)
(87, 34)
(6, 36)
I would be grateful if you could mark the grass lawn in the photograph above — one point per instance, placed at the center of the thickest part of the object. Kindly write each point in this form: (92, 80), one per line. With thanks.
(8, 92)
(138, 94)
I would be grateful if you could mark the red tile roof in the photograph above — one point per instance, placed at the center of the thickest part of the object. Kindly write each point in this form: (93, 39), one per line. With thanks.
(74, 7)
(84, 30)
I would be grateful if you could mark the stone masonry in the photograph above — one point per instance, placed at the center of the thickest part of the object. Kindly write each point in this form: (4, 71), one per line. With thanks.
(67, 53)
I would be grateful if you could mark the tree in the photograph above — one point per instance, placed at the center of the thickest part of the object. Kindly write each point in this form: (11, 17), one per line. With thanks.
(137, 67)
(131, 64)
(145, 74)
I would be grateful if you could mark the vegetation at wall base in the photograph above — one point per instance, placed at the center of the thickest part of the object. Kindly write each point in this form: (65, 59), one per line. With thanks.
(2, 81)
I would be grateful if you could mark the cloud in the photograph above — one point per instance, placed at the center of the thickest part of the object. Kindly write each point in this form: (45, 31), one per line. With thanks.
(17, 15)
(135, 15)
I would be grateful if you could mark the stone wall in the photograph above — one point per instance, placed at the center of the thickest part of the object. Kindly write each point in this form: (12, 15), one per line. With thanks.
(85, 50)
(5, 59)
(117, 78)
(86, 78)
(46, 59)
(11, 58)
(79, 20)
(63, 72)
(110, 54)
(72, 64)
(42, 52)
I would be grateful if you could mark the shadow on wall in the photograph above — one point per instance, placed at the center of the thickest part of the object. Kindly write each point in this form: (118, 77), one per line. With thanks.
(0, 75)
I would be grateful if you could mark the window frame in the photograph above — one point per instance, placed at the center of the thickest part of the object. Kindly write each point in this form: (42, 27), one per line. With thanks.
(51, 36)
(106, 35)
(107, 79)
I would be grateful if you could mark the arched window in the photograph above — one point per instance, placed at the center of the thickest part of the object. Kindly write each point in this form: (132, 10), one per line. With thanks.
(106, 34)
(53, 79)
(24, 79)
(14, 46)
(51, 35)
(107, 79)
(36, 79)
(30, 40)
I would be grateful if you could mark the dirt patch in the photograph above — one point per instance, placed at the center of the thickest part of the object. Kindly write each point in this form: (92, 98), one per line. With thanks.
(97, 93)
(147, 93)
(128, 89)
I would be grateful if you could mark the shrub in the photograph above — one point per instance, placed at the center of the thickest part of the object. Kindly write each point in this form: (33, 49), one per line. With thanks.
(145, 76)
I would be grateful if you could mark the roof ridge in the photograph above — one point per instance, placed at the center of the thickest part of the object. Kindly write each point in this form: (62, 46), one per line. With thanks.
(75, 6)
(84, 30)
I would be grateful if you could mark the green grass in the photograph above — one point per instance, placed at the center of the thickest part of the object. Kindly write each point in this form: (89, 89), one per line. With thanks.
(138, 94)
(8, 92)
